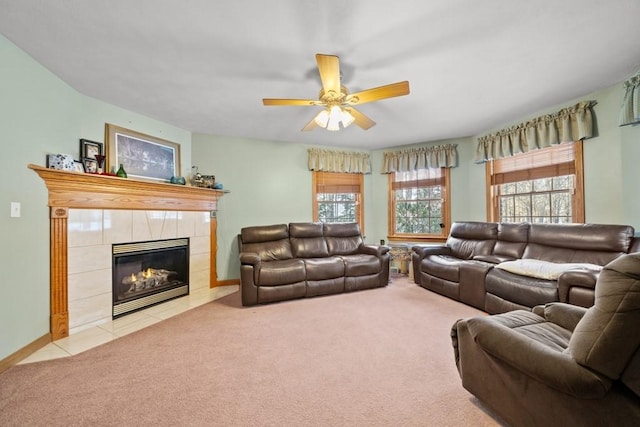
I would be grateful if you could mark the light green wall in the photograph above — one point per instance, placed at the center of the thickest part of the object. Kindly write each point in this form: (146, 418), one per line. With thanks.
(269, 181)
(37, 115)
(40, 114)
(268, 184)
(630, 154)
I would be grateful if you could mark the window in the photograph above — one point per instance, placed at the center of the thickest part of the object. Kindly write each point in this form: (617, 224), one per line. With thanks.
(540, 186)
(418, 204)
(337, 197)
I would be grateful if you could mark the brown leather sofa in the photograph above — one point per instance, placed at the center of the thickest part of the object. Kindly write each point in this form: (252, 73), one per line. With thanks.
(499, 267)
(560, 364)
(282, 262)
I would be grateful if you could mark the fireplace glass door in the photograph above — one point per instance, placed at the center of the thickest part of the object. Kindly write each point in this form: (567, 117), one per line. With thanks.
(148, 273)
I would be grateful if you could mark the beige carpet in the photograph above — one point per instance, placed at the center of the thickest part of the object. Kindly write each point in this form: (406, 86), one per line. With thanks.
(379, 357)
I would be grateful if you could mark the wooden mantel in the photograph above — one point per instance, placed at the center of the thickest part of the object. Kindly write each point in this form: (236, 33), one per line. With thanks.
(90, 191)
(75, 190)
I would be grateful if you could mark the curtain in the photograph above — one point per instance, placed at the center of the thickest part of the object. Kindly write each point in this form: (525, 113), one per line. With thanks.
(439, 156)
(569, 124)
(630, 112)
(338, 161)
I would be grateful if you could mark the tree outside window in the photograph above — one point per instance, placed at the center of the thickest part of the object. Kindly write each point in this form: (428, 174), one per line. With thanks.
(418, 207)
(338, 197)
(542, 186)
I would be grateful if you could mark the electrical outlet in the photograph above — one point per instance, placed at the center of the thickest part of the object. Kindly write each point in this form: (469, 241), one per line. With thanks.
(15, 209)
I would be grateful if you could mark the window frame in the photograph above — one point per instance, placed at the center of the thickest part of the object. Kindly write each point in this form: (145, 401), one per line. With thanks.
(339, 179)
(577, 196)
(394, 236)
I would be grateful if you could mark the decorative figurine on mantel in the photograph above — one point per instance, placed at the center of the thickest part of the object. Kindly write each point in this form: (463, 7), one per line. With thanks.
(199, 180)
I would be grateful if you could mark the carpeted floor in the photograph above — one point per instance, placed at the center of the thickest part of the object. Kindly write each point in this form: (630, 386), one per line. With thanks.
(380, 357)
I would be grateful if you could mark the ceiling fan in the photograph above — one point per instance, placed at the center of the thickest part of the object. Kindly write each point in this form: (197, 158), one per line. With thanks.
(337, 101)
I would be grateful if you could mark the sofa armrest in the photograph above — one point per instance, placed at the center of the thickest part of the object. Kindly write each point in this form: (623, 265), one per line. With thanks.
(419, 252)
(564, 315)
(250, 258)
(583, 278)
(423, 251)
(534, 359)
(377, 250)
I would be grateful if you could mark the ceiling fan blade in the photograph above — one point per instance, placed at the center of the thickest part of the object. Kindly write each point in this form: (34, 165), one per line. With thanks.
(302, 102)
(329, 68)
(360, 119)
(377, 93)
(310, 126)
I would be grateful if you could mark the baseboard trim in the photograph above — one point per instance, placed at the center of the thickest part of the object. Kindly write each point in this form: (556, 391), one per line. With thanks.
(24, 352)
(225, 283)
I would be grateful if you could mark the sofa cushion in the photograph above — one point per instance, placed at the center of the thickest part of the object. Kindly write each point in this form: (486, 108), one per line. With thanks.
(512, 239)
(264, 233)
(590, 243)
(324, 268)
(270, 242)
(307, 240)
(343, 238)
(361, 265)
(522, 290)
(276, 273)
(542, 269)
(468, 239)
(442, 266)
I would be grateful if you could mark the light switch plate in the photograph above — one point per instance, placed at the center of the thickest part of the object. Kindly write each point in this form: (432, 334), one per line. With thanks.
(15, 209)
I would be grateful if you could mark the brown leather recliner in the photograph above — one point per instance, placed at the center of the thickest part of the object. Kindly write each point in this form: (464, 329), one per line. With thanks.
(560, 364)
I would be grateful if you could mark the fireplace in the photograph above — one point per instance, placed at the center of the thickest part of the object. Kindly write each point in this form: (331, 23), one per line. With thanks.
(148, 273)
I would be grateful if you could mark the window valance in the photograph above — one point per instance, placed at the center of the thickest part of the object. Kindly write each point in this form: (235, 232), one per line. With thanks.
(438, 156)
(338, 161)
(569, 124)
(630, 112)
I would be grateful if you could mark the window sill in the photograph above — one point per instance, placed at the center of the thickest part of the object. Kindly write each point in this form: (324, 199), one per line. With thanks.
(416, 238)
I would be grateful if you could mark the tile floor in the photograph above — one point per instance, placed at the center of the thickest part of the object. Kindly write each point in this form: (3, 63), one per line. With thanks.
(105, 332)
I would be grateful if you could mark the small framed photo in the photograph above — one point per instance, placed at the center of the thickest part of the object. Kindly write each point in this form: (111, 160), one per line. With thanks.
(89, 149)
(78, 166)
(90, 165)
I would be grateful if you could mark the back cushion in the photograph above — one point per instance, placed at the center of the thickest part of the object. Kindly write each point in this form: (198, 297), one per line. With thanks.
(608, 335)
(512, 239)
(270, 242)
(307, 240)
(469, 239)
(590, 243)
(342, 238)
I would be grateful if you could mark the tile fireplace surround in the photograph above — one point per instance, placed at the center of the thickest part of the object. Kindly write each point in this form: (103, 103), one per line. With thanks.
(90, 234)
(90, 212)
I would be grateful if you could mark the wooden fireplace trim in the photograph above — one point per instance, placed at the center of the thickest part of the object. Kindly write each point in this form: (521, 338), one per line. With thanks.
(89, 191)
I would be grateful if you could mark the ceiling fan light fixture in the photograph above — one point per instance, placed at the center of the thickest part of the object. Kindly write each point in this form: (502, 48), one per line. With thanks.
(322, 119)
(335, 117)
(347, 118)
(334, 96)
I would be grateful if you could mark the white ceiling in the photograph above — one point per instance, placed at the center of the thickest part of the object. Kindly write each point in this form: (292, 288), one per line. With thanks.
(205, 65)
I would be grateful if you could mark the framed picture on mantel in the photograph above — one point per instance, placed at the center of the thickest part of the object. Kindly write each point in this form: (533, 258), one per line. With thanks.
(142, 156)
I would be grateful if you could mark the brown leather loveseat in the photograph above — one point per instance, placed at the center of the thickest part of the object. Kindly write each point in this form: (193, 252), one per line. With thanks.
(281, 262)
(499, 267)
